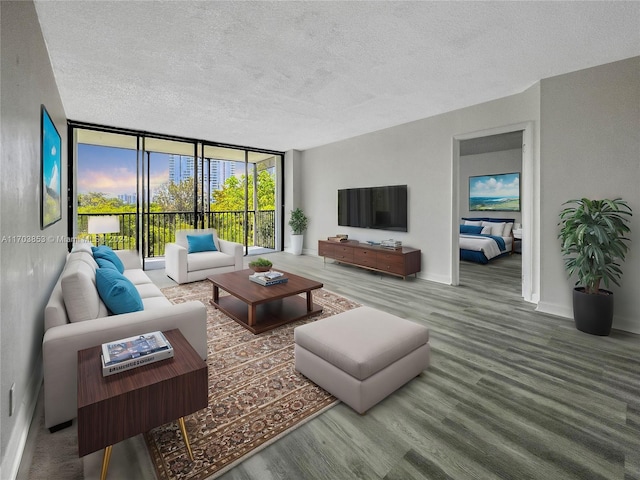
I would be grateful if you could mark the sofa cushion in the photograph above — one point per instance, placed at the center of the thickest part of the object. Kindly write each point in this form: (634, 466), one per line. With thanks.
(81, 299)
(137, 276)
(117, 292)
(84, 257)
(201, 243)
(82, 246)
(148, 290)
(154, 303)
(206, 260)
(108, 254)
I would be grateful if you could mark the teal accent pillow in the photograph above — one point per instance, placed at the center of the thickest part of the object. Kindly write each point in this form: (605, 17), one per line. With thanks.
(117, 292)
(470, 229)
(104, 263)
(108, 254)
(201, 243)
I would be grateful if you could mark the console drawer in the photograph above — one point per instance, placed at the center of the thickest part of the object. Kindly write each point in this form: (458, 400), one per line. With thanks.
(365, 257)
(326, 249)
(344, 254)
(390, 262)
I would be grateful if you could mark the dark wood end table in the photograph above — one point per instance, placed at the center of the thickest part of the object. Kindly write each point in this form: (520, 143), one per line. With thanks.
(119, 406)
(259, 308)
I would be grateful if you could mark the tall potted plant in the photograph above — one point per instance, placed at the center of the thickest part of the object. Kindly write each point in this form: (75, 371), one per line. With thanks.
(298, 223)
(593, 235)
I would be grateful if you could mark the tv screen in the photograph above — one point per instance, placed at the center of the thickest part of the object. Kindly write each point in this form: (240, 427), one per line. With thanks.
(383, 208)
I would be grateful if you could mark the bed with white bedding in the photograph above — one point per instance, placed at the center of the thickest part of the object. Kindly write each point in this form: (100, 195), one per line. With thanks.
(484, 239)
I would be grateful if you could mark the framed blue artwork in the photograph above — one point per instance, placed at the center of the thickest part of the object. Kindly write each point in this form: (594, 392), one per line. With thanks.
(50, 154)
(495, 193)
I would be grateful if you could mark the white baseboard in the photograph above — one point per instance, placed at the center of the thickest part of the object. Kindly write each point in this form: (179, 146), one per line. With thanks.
(631, 325)
(24, 415)
(625, 324)
(555, 309)
(444, 279)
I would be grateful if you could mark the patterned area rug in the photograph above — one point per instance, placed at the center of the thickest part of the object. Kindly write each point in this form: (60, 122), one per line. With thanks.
(255, 394)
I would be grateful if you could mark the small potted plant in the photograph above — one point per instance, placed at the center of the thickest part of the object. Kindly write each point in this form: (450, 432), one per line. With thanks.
(298, 223)
(260, 265)
(593, 235)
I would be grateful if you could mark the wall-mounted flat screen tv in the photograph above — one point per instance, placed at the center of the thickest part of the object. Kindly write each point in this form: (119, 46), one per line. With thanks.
(495, 193)
(383, 208)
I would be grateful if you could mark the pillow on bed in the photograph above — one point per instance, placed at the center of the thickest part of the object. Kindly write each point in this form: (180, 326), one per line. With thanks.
(496, 228)
(473, 223)
(486, 230)
(507, 229)
(470, 229)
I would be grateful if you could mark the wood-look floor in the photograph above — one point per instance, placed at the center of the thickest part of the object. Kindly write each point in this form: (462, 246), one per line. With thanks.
(510, 393)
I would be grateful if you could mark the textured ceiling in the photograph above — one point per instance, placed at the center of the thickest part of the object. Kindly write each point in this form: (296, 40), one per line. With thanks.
(293, 75)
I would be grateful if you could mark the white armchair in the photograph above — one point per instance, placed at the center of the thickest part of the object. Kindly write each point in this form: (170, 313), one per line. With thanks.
(184, 267)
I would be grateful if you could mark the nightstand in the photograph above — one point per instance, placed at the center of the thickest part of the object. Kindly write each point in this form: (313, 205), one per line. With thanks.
(517, 240)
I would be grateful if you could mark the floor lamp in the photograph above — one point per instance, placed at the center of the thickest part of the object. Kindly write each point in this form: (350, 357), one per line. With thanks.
(103, 225)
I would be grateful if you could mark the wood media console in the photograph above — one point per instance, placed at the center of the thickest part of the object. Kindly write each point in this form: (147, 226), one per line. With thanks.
(402, 262)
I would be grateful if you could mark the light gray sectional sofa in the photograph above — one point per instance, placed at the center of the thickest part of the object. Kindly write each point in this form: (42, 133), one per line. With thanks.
(75, 318)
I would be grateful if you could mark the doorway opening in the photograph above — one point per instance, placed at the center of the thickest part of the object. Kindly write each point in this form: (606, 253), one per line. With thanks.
(508, 151)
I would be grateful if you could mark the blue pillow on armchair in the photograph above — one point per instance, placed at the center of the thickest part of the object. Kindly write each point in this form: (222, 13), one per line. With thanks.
(201, 243)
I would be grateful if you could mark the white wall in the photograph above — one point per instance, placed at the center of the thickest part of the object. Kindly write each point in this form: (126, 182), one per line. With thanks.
(505, 161)
(590, 147)
(293, 197)
(418, 154)
(28, 269)
(585, 143)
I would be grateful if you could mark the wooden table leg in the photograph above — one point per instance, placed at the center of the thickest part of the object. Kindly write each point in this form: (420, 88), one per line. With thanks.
(216, 294)
(185, 437)
(105, 462)
(251, 319)
(309, 301)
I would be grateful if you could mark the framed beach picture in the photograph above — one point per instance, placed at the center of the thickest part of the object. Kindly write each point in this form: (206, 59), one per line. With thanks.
(495, 193)
(51, 166)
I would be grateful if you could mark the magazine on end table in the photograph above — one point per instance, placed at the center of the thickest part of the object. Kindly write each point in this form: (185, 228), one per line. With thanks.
(132, 352)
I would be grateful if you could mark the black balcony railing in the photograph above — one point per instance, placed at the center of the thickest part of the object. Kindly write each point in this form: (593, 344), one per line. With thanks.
(159, 228)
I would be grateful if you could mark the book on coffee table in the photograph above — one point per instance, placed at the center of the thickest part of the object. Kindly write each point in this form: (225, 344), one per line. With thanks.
(268, 278)
(132, 352)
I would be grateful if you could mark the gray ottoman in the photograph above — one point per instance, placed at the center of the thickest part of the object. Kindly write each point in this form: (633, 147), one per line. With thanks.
(361, 355)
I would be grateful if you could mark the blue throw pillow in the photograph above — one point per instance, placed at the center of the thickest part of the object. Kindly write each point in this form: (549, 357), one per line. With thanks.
(201, 243)
(104, 263)
(117, 292)
(470, 229)
(108, 254)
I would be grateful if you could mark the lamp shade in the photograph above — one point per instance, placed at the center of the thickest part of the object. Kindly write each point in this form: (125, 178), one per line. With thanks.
(106, 224)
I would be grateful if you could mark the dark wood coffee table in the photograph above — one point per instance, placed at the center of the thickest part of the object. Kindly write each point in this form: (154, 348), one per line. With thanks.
(259, 308)
(119, 406)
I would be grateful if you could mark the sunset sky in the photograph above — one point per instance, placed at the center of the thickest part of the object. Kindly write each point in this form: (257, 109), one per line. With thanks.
(113, 170)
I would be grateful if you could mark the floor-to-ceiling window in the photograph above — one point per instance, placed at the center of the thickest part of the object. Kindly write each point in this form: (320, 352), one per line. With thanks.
(156, 184)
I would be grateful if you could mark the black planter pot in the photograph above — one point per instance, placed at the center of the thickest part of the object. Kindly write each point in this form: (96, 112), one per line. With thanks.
(593, 313)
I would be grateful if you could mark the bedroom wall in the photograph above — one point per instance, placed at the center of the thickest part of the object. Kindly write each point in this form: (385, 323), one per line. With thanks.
(29, 269)
(418, 154)
(506, 161)
(590, 147)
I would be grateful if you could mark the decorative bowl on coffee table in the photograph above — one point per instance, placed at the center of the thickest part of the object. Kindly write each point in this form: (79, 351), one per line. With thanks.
(260, 269)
